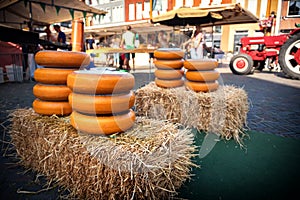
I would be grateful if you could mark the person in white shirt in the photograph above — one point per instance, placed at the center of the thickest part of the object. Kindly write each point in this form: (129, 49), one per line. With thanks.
(198, 41)
(115, 43)
(127, 42)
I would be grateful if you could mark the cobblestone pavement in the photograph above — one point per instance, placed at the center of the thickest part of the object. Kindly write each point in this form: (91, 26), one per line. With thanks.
(275, 109)
(274, 101)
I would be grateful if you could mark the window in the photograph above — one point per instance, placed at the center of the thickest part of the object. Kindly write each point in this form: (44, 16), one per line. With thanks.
(146, 12)
(189, 3)
(164, 5)
(263, 9)
(237, 39)
(294, 8)
(107, 16)
(97, 19)
(252, 6)
(139, 11)
(241, 2)
(117, 14)
(216, 2)
(178, 3)
(205, 3)
(131, 12)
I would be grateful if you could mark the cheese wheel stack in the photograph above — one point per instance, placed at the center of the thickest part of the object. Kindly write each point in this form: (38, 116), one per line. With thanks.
(51, 90)
(168, 63)
(101, 101)
(201, 75)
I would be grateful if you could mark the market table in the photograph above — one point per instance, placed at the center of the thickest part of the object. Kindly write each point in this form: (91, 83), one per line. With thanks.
(107, 51)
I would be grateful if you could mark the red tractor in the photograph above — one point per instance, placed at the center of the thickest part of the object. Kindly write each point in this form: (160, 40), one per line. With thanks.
(255, 52)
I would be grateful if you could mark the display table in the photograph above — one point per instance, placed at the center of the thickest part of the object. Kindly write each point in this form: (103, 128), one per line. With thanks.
(107, 51)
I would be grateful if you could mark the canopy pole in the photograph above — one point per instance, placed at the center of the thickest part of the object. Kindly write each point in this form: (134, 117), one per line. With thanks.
(77, 35)
(212, 41)
(30, 17)
(151, 9)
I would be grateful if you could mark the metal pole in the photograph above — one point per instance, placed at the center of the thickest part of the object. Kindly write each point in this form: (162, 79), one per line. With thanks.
(30, 17)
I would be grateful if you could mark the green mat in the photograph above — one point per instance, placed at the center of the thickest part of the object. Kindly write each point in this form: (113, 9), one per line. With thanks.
(267, 169)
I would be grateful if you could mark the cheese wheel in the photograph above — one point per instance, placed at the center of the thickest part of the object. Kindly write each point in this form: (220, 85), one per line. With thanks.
(169, 83)
(168, 64)
(52, 75)
(168, 53)
(101, 104)
(51, 107)
(168, 74)
(196, 64)
(51, 92)
(202, 76)
(202, 86)
(63, 59)
(103, 125)
(98, 82)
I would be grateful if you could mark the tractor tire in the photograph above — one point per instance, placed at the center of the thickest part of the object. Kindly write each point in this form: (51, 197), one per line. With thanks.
(241, 64)
(289, 57)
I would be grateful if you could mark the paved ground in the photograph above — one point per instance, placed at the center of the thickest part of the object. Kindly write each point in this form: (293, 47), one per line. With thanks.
(275, 109)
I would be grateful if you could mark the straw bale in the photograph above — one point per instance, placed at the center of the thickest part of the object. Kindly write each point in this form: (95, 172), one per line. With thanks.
(223, 112)
(150, 161)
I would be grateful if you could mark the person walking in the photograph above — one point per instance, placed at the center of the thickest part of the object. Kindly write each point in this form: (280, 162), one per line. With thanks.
(127, 42)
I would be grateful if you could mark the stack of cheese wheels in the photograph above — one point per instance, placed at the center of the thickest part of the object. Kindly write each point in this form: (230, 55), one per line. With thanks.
(51, 91)
(101, 101)
(201, 75)
(168, 63)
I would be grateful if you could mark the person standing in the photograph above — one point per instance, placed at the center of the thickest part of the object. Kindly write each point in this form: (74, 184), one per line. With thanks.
(162, 39)
(61, 35)
(115, 43)
(198, 41)
(152, 43)
(90, 42)
(127, 42)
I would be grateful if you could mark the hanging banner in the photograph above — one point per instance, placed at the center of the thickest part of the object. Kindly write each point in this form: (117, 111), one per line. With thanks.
(57, 9)
(72, 13)
(84, 14)
(95, 15)
(43, 6)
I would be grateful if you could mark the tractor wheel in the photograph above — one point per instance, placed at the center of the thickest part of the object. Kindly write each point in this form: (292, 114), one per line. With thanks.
(289, 57)
(241, 64)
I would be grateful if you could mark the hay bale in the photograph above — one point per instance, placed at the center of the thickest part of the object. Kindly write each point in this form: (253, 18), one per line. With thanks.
(150, 161)
(223, 112)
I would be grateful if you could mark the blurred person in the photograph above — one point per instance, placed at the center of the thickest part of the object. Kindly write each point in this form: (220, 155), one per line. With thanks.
(90, 42)
(48, 32)
(61, 35)
(152, 43)
(162, 39)
(115, 43)
(197, 44)
(128, 42)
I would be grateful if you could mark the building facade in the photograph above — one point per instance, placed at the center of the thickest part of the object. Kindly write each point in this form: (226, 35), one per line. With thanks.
(227, 36)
